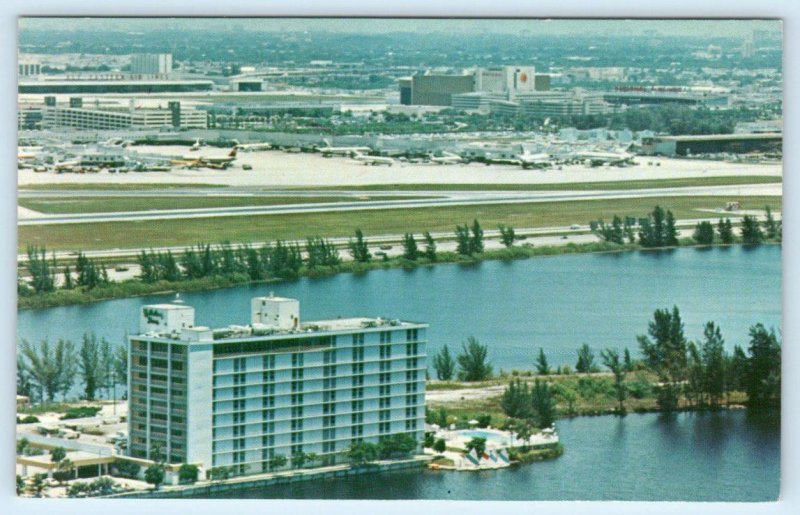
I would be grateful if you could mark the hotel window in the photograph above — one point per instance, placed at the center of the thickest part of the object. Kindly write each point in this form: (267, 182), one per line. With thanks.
(328, 421)
(268, 427)
(329, 371)
(239, 364)
(238, 379)
(268, 361)
(356, 431)
(357, 418)
(328, 396)
(268, 389)
(358, 339)
(269, 377)
(358, 354)
(411, 399)
(411, 387)
(329, 383)
(357, 380)
(385, 337)
(328, 357)
(297, 424)
(328, 434)
(297, 386)
(357, 405)
(411, 412)
(383, 415)
(411, 425)
(383, 390)
(297, 398)
(239, 391)
(385, 351)
(357, 393)
(238, 430)
(358, 368)
(411, 363)
(297, 359)
(328, 407)
(385, 365)
(411, 335)
(297, 449)
(411, 375)
(412, 349)
(268, 401)
(297, 373)
(385, 377)
(268, 414)
(238, 404)
(297, 437)
(238, 417)
(385, 402)
(328, 446)
(383, 427)
(297, 411)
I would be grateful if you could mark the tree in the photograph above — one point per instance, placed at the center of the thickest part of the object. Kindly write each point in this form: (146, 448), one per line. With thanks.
(725, 231)
(154, 475)
(763, 377)
(277, 461)
(666, 352)
(627, 361)
(38, 485)
(398, 444)
(40, 269)
(585, 359)
(64, 470)
(430, 247)
(516, 400)
(544, 406)
(299, 459)
(476, 242)
(704, 233)
(770, 227)
(187, 473)
(694, 387)
(439, 445)
(359, 249)
(24, 382)
(90, 365)
(410, 250)
(58, 454)
(52, 368)
(507, 235)
(429, 440)
(751, 231)
(22, 445)
(612, 362)
(477, 443)
(542, 366)
(120, 364)
(463, 240)
(362, 453)
(670, 231)
(68, 285)
(20, 484)
(444, 365)
(472, 362)
(712, 352)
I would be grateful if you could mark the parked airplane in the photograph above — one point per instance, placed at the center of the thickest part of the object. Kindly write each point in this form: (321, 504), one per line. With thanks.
(216, 162)
(328, 150)
(373, 160)
(195, 146)
(535, 160)
(597, 158)
(446, 158)
(252, 147)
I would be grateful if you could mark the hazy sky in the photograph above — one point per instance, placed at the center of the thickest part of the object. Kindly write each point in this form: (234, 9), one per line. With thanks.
(733, 28)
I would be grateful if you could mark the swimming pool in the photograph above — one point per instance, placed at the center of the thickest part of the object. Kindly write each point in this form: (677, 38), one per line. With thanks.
(490, 436)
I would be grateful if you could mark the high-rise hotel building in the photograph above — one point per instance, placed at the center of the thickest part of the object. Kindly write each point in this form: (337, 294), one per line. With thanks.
(241, 395)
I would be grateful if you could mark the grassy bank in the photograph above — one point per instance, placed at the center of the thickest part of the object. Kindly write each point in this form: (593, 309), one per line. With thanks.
(162, 233)
(575, 395)
(571, 186)
(80, 205)
(134, 287)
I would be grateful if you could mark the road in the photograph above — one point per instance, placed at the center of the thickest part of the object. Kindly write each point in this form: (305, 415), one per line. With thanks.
(444, 199)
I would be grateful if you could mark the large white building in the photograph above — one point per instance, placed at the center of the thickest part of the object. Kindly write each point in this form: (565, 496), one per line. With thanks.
(241, 395)
(95, 118)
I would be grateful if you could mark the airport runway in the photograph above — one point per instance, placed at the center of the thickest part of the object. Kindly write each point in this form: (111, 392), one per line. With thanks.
(444, 199)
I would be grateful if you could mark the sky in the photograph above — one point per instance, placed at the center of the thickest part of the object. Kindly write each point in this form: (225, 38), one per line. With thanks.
(670, 27)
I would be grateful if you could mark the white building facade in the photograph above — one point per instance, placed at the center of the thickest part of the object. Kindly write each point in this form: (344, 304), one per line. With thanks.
(240, 396)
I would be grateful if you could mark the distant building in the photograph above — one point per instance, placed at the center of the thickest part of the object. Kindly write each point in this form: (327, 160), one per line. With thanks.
(712, 144)
(151, 64)
(563, 103)
(656, 97)
(88, 86)
(78, 116)
(438, 89)
(240, 396)
(29, 69)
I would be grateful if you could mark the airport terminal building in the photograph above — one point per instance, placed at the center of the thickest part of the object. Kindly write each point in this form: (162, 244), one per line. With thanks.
(241, 395)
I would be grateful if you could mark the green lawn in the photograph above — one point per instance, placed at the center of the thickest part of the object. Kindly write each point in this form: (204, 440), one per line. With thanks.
(580, 186)
(52, 205)
(138, 234)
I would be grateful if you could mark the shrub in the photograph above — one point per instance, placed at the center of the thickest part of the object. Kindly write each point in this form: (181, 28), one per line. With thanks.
(28, 419)
(187, 473)
(81, 412)
(126, 469)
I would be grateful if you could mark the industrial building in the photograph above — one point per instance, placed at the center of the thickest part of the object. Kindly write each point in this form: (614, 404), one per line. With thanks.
(712, 144)
(656, 97)
(28, 69)
(79, 116)
(81, 86)
(241, 395)
(563, 103)
(151, 64)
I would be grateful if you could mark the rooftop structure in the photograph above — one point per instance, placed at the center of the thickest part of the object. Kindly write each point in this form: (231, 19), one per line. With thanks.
(240, 395)
(156, 64)
(113, 86)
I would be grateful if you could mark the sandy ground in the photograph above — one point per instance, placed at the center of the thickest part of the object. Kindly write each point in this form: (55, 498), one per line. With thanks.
(280, 169)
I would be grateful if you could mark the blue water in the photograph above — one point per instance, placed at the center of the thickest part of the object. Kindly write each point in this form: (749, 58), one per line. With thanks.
(474, 433)
(515, 307)
(690, 457)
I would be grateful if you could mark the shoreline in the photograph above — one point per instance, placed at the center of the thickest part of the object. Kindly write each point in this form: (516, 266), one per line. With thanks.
(132, 288)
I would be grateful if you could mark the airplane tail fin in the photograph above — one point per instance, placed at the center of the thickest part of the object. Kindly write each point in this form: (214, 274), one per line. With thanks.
(233, 152)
